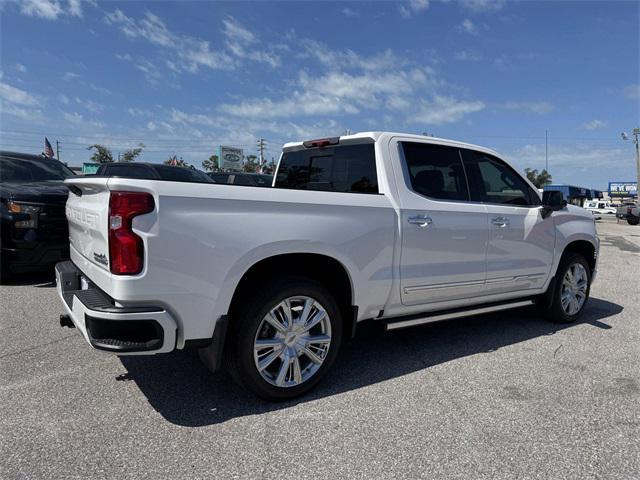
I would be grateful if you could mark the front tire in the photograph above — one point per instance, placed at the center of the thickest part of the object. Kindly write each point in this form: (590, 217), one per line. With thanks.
(284, 339)
(633, 220)
(571, 289)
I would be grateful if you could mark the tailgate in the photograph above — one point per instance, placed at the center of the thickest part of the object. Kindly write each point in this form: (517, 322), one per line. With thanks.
(88, 216)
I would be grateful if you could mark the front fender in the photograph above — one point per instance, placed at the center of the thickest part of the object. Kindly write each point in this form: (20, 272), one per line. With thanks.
(574, 224)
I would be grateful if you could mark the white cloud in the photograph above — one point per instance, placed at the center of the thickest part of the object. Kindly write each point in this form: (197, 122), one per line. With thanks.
(467, 56)
(190, 54)
(576, 163)
(593, 125)
(336, 92)
(443, 110)
(47, 9)
(16, 96)
(350, 85)
(632, 91)
(139, 112)
(52, 9)
(179, 116)
(70, 76)
(413, 7)
(100, 89)
(151, 126)
(348, 12)
(78, 119)
(337, 59)
(539, 108)
(468, 26)
(19, 103)
(75, 8)
(240, 42)
(63, 99)
(125, 57)
(150, 71)
(483, 6)
(30, 115)
(89, 105)
(20, 68)
(167, 126)
(236, 32)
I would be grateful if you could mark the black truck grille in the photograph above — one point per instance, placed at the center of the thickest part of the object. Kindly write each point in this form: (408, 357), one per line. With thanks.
(52, 223)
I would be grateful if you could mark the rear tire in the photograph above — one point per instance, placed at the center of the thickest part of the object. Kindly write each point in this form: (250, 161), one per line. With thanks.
(271, 352)
(571, 289)
(633, 220)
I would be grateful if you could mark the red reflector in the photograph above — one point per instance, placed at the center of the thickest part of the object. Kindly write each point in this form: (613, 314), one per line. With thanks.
(321, 142)
(126, 249)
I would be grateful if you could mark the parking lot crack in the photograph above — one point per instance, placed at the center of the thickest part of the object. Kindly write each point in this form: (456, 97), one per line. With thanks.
(35, 347)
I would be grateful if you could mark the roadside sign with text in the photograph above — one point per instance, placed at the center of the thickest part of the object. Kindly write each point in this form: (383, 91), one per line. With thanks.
(230, 158)
(623, 189)
(89, 168)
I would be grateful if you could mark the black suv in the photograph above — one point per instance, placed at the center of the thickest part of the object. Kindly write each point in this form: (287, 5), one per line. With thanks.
(34, 233)
(152, 171)
(244, 179)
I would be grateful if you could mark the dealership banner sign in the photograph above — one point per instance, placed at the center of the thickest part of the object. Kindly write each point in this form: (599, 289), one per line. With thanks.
(230, 158)
(623, 189)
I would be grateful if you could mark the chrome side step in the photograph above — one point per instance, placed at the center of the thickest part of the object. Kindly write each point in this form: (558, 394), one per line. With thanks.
(414, 320)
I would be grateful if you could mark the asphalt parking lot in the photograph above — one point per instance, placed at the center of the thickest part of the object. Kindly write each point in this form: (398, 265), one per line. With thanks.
(501, 396)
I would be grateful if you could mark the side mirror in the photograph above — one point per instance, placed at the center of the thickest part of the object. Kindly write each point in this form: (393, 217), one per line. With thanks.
(552, 201)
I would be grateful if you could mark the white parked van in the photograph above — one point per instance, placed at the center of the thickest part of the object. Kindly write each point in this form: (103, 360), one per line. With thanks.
(600, 207)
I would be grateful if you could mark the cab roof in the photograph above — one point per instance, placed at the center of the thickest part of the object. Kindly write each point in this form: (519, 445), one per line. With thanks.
(375, 136)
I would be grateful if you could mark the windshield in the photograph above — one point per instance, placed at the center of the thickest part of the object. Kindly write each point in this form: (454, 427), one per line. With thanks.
(20, 170)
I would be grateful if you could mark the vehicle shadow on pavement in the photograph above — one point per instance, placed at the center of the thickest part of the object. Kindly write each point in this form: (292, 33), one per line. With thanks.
(35, 279)
(185, 393)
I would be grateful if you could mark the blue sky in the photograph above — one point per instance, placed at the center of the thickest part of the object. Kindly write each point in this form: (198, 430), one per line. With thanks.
(183, 77)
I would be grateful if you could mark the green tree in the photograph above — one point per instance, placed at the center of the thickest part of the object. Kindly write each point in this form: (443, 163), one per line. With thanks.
(251, 164)
(538, 179)
(131, 154)
(101, 155)
(210, 164)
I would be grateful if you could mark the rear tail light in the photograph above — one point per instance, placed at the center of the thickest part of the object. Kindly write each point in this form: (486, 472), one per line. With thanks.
(126, 249)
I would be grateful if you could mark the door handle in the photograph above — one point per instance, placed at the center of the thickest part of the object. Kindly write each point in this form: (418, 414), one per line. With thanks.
(421, 220)
(500, 221)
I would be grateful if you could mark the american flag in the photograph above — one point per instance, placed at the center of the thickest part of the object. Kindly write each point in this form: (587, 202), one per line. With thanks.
(48, 149)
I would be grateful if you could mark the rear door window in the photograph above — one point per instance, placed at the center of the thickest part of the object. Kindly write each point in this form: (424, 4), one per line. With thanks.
(348, 168)
(436, 171)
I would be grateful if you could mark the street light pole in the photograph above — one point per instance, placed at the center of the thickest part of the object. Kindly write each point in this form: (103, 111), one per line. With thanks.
(546, 150)
(636, 134)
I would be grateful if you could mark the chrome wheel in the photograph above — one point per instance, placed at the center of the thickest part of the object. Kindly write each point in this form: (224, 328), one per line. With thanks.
(574, 289)
(292, 341)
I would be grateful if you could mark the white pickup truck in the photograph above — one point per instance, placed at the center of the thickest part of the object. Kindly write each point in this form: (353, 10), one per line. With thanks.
(394, 228)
